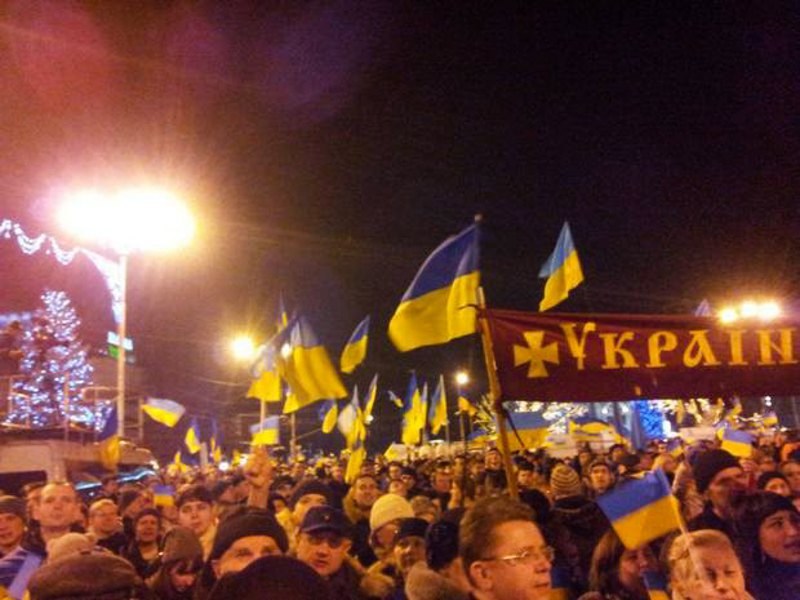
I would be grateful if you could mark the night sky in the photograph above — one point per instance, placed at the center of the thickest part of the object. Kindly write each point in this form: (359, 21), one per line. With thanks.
(327, 148)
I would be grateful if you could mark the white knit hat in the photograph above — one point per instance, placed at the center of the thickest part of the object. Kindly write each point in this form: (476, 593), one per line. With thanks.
(388, 508)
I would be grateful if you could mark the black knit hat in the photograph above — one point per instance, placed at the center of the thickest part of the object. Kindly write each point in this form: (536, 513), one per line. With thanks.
(412, 527)
(254, 522)
(441, 544)
(310, 486)
(710, 463)
(272, 577)
(194, 493)
(153, 512)
(765, 478)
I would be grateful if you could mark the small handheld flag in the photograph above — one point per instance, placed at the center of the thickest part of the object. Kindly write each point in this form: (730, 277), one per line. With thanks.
(192, 439)
(355, 351)
(411, 408)
(738, 443)
(439, 305)
(372, 394)
(161, 410)
(164, 495)
(266, 433)
(562, 270)
(466, 406)
(329, 412)
(398, 402)
(108, 439)
(656, 585)
(641, 510)
(438, 410)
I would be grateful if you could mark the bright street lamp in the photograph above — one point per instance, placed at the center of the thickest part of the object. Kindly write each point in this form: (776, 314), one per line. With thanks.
(243, 348)
(462, 378)
(129, 220)
(750, 309)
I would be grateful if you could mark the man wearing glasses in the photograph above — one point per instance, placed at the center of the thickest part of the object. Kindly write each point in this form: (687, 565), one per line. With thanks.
(504, 554)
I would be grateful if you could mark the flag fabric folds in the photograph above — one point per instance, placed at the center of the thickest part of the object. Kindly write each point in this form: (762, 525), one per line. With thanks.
(282, 318)
(192, 438)
(266, 385)
(641, 510)
(770, 419)
(266, 433)
(178, 463)
(738, 443)
(163, 495)
(166, 412)
(355, 351)
(479, 437)
(437, 415)
(305, 365)
(411, 409)
(562, 270)
(397, 400)
(656, 585)
(439, 304)
(108, 439)
(329, 413)
(372, 394)
(214, 448)
(466, 406)
(528, 430)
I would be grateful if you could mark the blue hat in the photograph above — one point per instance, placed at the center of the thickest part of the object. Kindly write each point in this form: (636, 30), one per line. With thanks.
(325, 518)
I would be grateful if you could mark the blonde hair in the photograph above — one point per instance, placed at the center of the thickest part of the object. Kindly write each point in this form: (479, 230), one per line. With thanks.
(682, 569)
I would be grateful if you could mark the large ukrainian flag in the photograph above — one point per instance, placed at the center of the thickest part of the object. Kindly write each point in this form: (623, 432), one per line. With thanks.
(562, 270)
(267, 383)
(529, 430)
(166, 412)
(267, 432)
(439, 304)
(305, 365)
(641, 510)
(355, 351)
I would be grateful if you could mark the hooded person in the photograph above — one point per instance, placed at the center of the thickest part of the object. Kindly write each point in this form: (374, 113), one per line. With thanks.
(288, 579)
(441, 576)
(179, 566)
(720, 479)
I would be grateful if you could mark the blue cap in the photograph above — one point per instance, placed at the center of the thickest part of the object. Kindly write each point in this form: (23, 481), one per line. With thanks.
(325, 518)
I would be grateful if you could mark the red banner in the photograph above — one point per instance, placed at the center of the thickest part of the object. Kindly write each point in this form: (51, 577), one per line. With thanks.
(591, 358)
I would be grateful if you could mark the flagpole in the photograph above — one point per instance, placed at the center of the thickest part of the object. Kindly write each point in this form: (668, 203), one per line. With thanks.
(495, 394)
(293, 443)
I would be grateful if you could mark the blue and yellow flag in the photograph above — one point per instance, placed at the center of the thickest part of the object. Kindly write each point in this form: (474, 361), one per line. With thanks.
(179, 465)
(479, 437)
(266, 433)
(192, 438)
(738, 443)
(641, 510)
(163, 495)
(282, 318)
(423, 408)
(354, 462)
(166, 412)
(351, 421)
(466, 406)
(770, 419)
(437, 415)
(560, 583)
(587, 429)
(656, 585)
(396, 400)
(411, 409)
(372, 394)
(562, 270)
(328, 414)
(266, 385)
(108, 440)
(355, 351)
(439, 305)
(305, 365)
(215, 450)
(531, 430)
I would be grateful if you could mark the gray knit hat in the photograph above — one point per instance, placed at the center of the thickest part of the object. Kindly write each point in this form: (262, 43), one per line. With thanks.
(85, 575)
(564, 482)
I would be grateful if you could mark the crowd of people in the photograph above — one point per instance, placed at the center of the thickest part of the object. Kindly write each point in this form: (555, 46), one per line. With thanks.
(419, 529)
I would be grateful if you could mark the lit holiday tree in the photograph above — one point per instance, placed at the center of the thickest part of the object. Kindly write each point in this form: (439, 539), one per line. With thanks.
(54, 368)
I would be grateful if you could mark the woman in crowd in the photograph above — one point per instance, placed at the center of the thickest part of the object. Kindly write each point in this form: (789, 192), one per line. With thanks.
(143, 551)
(775, 482)
(180, 566)
(768, 528)
(704, 566)
(616, 573)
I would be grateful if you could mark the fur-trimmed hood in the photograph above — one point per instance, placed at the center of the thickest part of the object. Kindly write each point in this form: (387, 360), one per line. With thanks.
(423, 583)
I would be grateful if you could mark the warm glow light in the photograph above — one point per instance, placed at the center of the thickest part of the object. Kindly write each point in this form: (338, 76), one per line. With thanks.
(728, 315)
(133, 219)
(749, 309)
(243, 348)
(770, 310)
(286, 350)
(462, 378)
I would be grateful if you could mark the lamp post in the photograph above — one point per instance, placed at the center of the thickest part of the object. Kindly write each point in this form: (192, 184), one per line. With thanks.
(462, 379)
(126, 221)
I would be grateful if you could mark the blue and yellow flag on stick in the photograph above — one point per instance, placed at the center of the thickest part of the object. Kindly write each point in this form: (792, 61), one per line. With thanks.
(354, 462)
(641, 510)
(166, 412)
(656, 585)
(192, 438)
(178, 463)
(266, 385)
(372, 394)
(439, 306)
(108, 440)
(351, 421)
(562, 270)
(328, 414)
(738, 443)
(527, 430)
(214, 447)
(267, 432)
(466, 406)
(411, 409)
(437, 415)
(770, 419)
(355, 351)
(163, 495)
(305, 365)
(396, 400)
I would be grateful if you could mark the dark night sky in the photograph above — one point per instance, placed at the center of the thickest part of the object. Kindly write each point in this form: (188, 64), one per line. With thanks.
(328, 147)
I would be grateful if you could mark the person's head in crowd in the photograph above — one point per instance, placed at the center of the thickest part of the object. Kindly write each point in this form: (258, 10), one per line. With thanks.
(719, 478)
(564, 482)
(441, 549)
(276, 503)
(282, 485)
(298, 471)
(585, 457)
(244, 537)
(132, 502)
(31, 492)
(323, 540)
(181, 561)
(307, 494)
(241, 487)
(766, 462)
(629, 464)
(104, 518)
(616, 572)
(503, 552)
(337, 473)
(409, 544)
(194, 509)
(365, 491)
(147, 526)
(769, 526)
(526, 476)
(109, 486)
(12, 523)
(600, 477)
(409, 477)
(289, 579)
(646, 461)
(224, 493)
(442, 478)
(394, 470)
(719, 574)
(666, 462)
(775, 482)
(384, 521)
(397, 486)
(368, 467)
(616, 452)
(57, 509)
(791, 469)
(493, 459)
(477, 468)
(424, 508)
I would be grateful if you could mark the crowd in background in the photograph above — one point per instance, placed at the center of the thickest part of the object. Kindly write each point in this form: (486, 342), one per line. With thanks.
(418, 529)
